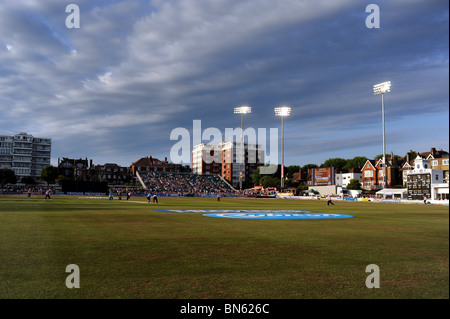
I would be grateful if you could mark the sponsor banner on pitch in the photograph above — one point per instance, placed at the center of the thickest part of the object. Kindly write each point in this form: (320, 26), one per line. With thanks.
(263, 214)
(279, 215)
(235, 211)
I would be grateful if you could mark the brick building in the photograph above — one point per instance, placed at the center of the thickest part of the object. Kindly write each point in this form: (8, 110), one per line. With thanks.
(227, 160)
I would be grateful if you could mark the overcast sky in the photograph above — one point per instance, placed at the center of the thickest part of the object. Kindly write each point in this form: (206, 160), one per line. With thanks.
(113, 89)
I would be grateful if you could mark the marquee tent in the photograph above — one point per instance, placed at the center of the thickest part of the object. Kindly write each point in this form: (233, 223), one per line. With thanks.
(398, 193)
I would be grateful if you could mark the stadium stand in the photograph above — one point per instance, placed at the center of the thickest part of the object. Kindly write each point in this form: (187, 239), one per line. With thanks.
(185, 184)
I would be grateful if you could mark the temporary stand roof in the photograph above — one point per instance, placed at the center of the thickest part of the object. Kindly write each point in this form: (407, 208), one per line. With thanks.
(403, 192)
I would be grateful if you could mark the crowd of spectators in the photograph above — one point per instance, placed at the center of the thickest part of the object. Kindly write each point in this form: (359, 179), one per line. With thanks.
(185, 184)
(179, 184)
(36, 190)
(152, 183)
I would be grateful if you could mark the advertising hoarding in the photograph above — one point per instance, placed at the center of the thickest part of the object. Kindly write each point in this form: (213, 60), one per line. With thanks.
(322, 176)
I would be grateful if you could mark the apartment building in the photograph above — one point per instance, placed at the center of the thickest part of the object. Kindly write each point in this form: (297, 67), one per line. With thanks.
(25, 154)
(234, 161)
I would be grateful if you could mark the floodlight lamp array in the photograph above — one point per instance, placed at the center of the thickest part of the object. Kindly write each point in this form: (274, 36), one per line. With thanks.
(282, 111)
(382, 88)
(242, 109)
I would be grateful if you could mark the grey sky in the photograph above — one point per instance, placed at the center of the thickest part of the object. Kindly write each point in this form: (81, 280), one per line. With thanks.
(114, 89)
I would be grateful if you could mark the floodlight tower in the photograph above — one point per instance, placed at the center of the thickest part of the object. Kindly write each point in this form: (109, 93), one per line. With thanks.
(382, 88)
(282, 111)
(242, 110)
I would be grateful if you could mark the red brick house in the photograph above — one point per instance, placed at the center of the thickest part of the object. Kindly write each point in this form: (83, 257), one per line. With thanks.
(149, 164)
(111, 173)
(393, 171)
(373, 172)
(369, 175)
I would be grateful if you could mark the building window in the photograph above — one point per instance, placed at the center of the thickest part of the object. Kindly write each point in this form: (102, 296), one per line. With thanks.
(368, 173)
(434, 163)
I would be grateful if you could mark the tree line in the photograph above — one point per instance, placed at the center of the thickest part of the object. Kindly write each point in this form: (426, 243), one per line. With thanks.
(49, 174)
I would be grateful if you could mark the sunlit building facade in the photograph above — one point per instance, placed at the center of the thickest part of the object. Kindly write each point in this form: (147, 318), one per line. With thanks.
(25, 154)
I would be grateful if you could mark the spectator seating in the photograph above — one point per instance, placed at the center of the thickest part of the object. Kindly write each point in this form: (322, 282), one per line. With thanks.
(185, 184)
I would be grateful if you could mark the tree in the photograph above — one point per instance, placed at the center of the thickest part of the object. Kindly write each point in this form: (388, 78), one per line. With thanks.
(28, 180)
(337, 163)
(277, 174)
(388, 156)
(309, 166)
(7, 176)
(412, 155)
(270, 181)
(256, 177)
(60, 179)
(290, 170)
(49, 174)
(356, 162)
(354, 184)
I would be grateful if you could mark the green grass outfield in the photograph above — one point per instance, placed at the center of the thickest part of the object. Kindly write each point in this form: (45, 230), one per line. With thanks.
(127, 249)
